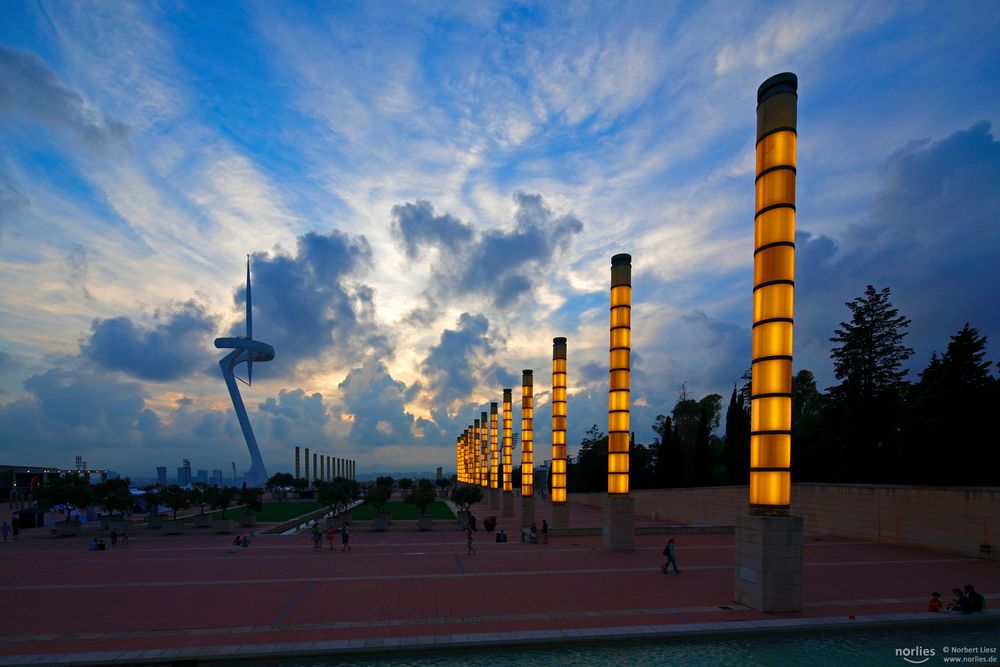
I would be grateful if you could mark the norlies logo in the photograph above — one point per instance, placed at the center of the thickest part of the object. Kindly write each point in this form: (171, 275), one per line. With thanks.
(917, 655)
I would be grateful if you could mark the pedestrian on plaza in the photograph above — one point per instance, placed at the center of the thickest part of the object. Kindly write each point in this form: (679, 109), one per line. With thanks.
(668, 551)
(317, 536)
(345, 538)
(976, 600)
(114, 537)
(246, 541)
(468, 542)
(545, 531)
(533, 533)
(238, 542)
(124, 534)
(15, 528)
(5, 529)
(330, 532)
(959, 604)
(935, 603)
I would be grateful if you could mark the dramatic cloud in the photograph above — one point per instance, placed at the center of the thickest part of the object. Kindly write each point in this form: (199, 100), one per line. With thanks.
(451, 366)
(31, 90)
(179, 344)
(376, 402)
(310, 303)
(11, 201)
(502, 266)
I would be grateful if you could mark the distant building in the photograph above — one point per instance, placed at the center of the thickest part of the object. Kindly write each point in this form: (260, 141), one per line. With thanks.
(202, 476)
(161, 475)
(216, 477)
(184, 474)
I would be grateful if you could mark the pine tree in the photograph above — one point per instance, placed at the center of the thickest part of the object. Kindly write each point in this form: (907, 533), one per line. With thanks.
(737, 441)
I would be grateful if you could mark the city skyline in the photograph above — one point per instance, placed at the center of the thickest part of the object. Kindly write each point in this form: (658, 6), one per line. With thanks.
(431, 194)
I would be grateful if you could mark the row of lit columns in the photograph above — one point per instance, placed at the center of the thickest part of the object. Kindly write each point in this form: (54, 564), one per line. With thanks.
(324, 468)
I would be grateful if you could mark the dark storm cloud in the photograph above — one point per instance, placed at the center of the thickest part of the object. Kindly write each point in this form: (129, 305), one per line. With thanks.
(376, 401)
(450, 367)
(416, 226)
(932, 237)
(69, 399)
(295, 416)
(499, 265)
(309, 303)
(177, 345)
(30, 89)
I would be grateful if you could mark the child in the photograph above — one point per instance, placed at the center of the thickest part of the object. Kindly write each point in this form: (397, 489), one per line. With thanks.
(329, 536)
(935, 603)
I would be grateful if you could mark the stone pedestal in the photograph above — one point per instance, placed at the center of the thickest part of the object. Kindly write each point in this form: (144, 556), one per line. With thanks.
(507, 501)
(560, 515)
(494, 499)
(527, 511)
(618, 527)
(769, 562)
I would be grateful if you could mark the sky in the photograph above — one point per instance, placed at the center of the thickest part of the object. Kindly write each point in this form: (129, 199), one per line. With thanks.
(430, 192)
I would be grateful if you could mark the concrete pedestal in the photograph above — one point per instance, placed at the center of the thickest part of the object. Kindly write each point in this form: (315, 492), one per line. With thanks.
(527, 511)
(560, 515)
(618, 527)
(494, 499)
(769, 562)
(507, 501)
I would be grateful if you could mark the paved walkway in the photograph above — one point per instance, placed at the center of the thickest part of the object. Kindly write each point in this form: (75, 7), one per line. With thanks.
(166, 597)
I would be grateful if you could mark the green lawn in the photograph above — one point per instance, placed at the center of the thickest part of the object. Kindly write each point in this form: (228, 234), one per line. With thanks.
(403, 511)
(275, 511)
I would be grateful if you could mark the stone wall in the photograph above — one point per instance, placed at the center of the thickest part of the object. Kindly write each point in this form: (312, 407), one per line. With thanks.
(953, 519)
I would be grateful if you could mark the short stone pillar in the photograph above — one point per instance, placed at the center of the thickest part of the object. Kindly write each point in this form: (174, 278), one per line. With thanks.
(618, 527)
(769, 562)
(527, 511)
(560, 515)
(507, 502)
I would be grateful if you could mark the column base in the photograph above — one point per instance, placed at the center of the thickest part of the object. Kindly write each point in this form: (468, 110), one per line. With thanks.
(527, 511)
(507, 501)
(618, 528)
(560, 515)
(494, 499)
(769, 562)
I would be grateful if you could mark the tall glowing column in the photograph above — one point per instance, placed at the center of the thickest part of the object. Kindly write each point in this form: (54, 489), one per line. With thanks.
(484, 451)
(308, 478)
(297, 469)
(619, 508)
(478, 447)
(560, 511)
(494, 457)
(507, 501)
(768, 540)
(527, 449)
(315, 467)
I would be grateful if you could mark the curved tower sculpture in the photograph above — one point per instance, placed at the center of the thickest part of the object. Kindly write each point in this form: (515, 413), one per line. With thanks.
(247, 350)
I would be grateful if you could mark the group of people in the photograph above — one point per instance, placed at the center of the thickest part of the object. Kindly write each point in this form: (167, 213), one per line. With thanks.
(242, 541)
(116, 536)
(966, 600)
(10, 530)
(317, 536)
(501, 536)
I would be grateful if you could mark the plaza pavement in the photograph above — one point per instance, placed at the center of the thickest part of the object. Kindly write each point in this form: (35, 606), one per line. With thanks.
(193, 597)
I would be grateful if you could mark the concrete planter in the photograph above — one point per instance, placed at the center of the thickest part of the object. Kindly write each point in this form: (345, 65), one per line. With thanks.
(173, 527)
(68, 529)
(424, 522)
(248, 520)
(381, 522)
(222, 525)
(202, 520)
(154, 522)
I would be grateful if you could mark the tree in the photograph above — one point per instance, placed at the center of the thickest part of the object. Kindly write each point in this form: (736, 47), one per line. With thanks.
(338, 494)
(200, 494)
(114, 496)
(151, 495)
(175, 498)
(405, 485)
(737, 442)
(386, 481)
(868, 361)
(221, 497)
(69, 491)
(591, 470)
(422, 498)
(251, 500)
(426, 484)
(465, 496)
(443, 484)
(377, 496)
(280, 480)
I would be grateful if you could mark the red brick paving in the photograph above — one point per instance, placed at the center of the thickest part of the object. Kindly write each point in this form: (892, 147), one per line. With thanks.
(199, 591)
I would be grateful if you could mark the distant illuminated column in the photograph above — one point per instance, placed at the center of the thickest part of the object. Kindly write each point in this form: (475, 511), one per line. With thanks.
(618, 393)
(508, 438)
(459, 473)
(329, 469)
(308, 478)
(484, 446)
(773, 292)
(297, 469)
(494, 442)
(478, 452)
(315, 467)
(527, 434)
(558, 420)
(470, 455)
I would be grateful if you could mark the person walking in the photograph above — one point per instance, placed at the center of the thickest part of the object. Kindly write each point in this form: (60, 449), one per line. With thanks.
(317, 537)
(345, 538)
(668, 551)
(15, 528)
(114, 537)
(5, 529)
(468, 542)
(124, 535)
(545, 531)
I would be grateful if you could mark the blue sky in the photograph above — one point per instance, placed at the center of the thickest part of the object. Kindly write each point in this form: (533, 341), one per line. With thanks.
(432, 191)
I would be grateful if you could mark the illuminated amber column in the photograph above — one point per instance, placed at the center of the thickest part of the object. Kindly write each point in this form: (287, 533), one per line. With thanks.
(297, 468)
(527, 449)
(560, 512)
(308, 478)
(459, 473)
(484, 444)
(494, 458)
(477, 452)
(619, 510)
(773, 291)
(508, 440)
